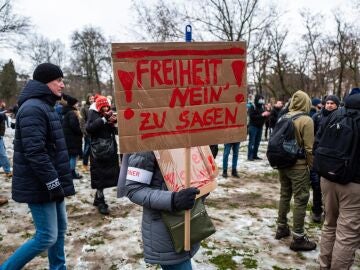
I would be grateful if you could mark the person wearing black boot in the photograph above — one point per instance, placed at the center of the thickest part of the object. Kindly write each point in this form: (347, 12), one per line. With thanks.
(235, 148)
(72, 132)
(104, 169)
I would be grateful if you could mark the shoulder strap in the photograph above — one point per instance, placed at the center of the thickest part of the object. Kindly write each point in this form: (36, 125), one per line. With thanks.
(296, 116)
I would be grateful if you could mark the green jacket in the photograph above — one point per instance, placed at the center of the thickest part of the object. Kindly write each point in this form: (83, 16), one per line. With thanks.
(304, 127)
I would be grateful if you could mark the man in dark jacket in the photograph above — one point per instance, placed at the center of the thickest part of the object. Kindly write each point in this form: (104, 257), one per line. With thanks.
(331, 104)
(42, 175)
(340, 236)
(257, 117)
(274, 114)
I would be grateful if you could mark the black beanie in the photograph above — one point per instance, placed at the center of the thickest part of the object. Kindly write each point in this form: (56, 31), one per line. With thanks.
(333, 98)
(71, 101)
(47, 72)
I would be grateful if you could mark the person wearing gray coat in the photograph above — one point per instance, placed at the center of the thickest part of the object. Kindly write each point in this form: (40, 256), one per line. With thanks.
(145, 186)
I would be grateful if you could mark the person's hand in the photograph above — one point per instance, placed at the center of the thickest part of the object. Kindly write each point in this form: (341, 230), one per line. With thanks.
(108, 114)
(265, 114)
(184, 199)
(57, 194)
(112, 119)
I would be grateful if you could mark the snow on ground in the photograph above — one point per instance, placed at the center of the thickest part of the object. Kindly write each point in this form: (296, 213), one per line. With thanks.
(243, 210)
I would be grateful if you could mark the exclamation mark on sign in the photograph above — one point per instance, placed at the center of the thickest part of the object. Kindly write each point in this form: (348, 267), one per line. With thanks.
(127, 79)
(238, 68)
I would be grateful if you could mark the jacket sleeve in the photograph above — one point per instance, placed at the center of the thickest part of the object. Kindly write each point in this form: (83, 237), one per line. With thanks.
(33, 124)
(94, 122)
(307, 133)
(139, 177)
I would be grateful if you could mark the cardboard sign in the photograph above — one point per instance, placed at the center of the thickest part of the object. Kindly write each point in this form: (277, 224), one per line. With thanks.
(203, 168)
(174, 95)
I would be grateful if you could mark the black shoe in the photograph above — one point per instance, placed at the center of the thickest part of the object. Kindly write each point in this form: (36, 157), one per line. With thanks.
(98, 200)
(258, 158)
(282, 231)
(302, 243)
(103, 209)
(76, 175)
(225, 175)
(235, 174)
(316, 218)
(250, 159)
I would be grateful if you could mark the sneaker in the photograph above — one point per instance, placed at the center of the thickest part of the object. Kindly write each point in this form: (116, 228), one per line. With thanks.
(103, 209)
(257, 158)
(302, 243)
(225, 175)
(9, 174)
(316, 218)
(282, 231)
(3, 200)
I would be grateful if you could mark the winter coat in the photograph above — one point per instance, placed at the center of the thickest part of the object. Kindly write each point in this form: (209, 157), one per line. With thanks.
(352, 102)
(3, 119)
(84, 112)
(104, 173)
(148, 189)
(274, 116)
(72, 131)
(255, 111)
(304, 127)
(40, 152)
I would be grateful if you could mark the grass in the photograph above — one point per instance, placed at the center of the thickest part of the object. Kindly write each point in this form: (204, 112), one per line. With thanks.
(224, 262)
(249, 263)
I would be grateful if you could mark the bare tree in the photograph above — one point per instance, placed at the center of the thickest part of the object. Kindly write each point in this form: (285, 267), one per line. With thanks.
(162, 22)
(39, 49)
(11, 24)
(277, 38)
(90, 55)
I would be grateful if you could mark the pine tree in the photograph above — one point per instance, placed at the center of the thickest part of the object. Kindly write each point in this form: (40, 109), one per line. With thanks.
(8, 85)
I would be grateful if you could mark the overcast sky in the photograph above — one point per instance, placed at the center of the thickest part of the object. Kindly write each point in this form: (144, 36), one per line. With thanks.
(58, 19)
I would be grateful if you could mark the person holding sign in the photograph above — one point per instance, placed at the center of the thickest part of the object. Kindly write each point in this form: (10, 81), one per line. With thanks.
(145, 186)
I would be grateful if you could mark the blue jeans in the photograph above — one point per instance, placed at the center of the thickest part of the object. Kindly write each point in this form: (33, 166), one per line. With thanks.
(235, 148)
(186, 265)
(72, 159)
(50, 222)
(254, 141)
(4, 161)
(86, 151)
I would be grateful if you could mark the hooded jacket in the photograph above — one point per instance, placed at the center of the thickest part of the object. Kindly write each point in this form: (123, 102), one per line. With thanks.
(304, 127)
(255, 111)
(40, 152)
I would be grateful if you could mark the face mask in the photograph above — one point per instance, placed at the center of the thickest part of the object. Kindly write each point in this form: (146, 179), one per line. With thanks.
(261, 101)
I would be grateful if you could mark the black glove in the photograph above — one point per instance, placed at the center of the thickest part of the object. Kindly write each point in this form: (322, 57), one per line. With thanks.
(57, 194)
(184, 199)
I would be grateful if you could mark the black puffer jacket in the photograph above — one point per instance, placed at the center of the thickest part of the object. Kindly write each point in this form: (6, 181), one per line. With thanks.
(72, 130)
(40, 153)
(104, 173)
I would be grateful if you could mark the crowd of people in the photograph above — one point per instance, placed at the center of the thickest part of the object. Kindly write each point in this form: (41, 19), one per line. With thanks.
(51, 132)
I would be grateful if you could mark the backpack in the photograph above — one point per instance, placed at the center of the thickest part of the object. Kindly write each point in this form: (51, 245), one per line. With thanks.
(283, 149)
(338, 150)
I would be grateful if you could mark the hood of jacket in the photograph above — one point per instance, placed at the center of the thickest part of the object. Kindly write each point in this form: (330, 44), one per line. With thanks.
(256, 101)
(300, 101)
(35, 89)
